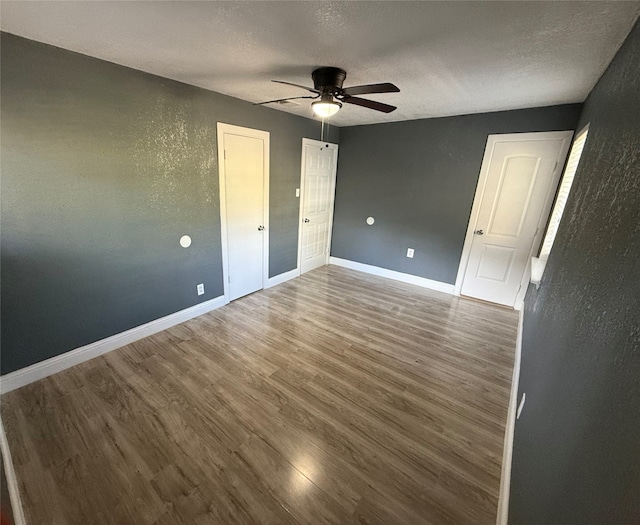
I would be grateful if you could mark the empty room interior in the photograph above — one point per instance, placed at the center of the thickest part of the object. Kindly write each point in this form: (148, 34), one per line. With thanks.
(307, 262)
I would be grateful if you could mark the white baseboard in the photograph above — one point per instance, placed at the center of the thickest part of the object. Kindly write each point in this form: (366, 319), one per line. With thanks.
(37, 371)
(283, 277)
(507, 454)
(391, 274)
(12, 481)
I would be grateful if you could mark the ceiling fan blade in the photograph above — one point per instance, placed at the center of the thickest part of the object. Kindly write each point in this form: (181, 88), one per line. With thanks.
(279, 100)
(371, 104)
(296, 85)
(386, 87)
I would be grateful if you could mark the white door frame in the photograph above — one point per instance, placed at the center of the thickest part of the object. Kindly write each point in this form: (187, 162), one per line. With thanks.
(544, 217)
(257, 134)
(303, 166)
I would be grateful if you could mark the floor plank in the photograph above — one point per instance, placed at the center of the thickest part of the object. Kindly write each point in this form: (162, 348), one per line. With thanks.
(337, 397)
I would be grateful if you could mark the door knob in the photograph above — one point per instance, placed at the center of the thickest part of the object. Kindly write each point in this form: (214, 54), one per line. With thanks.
(306, 220)
(479, 232)
(260, 228)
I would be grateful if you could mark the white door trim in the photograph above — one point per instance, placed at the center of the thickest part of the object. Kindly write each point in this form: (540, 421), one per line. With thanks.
(477, 200)
(257, 134)
(303, 165)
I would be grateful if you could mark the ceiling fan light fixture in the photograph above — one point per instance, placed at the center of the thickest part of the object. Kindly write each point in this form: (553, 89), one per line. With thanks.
(326, 107)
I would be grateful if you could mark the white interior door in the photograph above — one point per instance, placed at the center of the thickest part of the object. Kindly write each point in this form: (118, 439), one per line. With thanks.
(318, 184)
(244, 162)
(518, 179)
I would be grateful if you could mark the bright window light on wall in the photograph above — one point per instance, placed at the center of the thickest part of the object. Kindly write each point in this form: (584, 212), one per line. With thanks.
(538, 263)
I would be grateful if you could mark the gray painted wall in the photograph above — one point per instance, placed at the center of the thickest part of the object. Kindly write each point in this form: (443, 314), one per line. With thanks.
(103, 169)
(577, 444)
(418, 179)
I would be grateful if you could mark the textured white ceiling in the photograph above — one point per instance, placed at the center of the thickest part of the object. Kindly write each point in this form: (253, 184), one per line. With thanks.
(448, 58)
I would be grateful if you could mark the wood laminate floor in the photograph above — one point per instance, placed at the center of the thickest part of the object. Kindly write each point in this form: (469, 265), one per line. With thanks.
(337, 397)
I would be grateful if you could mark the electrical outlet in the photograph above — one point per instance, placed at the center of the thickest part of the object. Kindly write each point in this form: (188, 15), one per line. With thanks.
(200, 289)
(297, 192)
(410, 253)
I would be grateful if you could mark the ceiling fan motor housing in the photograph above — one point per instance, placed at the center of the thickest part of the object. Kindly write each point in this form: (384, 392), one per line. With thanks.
(329, 80)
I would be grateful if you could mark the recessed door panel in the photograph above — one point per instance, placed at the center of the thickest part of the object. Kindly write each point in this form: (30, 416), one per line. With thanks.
(495, 263)
(514, 193)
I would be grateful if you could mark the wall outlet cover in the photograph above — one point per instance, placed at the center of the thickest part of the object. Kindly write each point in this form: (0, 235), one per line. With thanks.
(410, 253)
(200, 289)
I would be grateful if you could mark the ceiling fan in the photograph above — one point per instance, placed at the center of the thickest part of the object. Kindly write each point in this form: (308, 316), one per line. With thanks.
(327, 87)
